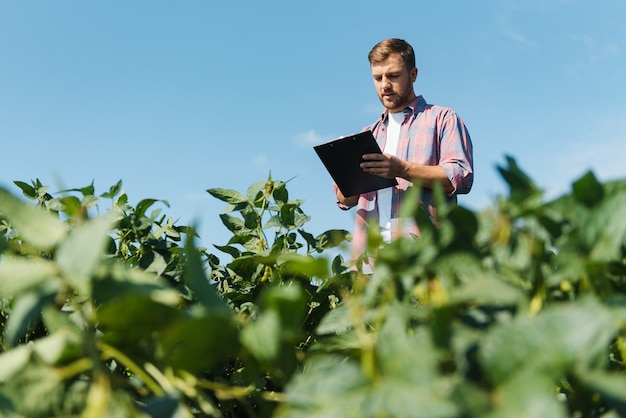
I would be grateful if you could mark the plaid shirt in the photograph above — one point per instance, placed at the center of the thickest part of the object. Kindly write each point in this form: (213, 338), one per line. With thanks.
(430, 135)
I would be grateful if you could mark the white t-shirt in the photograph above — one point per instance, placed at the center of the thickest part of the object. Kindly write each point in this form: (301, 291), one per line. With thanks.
(384, 195)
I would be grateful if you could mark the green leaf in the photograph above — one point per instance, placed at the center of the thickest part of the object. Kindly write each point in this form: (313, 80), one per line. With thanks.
(143, 316)
(26, 311)
(521, 186)
(330, 386)
(397, 399)
(13, 360)
(280, 193)
(117, 280)
(588, 190)
(301, 219)
(336, 321)
(331, 239)
(247, 265)
(552, 343)
(197, 280)
(228, 249)
(7, 409)
(409, 357)
(273, 222)
(248, 240)
(465, 225)
(113, 190)
(20, 274)
(122, 201)
(500, 292)
(232, 223)
(36, 226)
(59, 347)
(291, 216)
(308, 238)
(28, 190)
(251, 218)
(611, 386)
(271, 337)
(153, 262)
(56, 320)
(4, 245)
(197, 344)
(288, 215)
(89, 201)
(70, 205)
(83, 250)
(605, 229)
(338, 267)
(291, 304)
(257, 192)
(411, 202)
(553, 226)
(229, 196)
(35, 381)
(527, 395)
(85, 191)
(302, 265)
(143, 205)
(262, 337)
(251, 243)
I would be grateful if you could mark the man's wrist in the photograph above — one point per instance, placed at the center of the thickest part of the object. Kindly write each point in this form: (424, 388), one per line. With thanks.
(343, 206)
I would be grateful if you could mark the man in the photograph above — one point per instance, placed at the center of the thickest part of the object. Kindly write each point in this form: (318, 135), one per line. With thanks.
(421, 143)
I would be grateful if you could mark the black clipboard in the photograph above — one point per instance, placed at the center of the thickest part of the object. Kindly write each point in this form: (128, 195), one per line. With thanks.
(342, 158)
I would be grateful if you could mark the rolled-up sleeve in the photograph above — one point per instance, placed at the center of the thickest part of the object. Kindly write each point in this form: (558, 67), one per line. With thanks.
(456, 153)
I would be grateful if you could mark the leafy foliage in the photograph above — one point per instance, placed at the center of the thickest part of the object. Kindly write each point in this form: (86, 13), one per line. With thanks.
(519, 310)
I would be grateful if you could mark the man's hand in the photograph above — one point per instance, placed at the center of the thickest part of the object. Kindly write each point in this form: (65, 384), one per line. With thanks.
(384, 165)
(349, 201)
(389, 166)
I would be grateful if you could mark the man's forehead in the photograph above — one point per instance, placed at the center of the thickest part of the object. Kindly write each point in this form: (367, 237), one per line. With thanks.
(391, 64)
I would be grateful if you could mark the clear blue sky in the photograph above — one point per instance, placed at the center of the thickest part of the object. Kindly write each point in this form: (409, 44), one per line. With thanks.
(175, 97)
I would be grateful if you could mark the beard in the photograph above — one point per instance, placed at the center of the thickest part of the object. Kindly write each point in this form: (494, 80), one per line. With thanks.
(397, 101)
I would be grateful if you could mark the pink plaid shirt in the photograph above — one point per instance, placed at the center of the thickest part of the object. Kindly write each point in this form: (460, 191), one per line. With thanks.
(430, 135)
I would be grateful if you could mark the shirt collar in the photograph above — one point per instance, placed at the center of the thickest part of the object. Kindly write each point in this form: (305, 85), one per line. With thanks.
(416, 106)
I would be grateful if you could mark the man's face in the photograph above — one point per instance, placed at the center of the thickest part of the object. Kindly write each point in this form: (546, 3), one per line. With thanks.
(394, 83)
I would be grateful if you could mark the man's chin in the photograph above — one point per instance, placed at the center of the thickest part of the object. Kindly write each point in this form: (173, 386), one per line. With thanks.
(389, 104)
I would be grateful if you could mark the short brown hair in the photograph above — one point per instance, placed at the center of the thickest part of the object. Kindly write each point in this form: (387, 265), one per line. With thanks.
(383, 49)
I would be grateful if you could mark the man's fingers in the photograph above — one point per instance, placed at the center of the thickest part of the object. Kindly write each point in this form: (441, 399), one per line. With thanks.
(374, 157)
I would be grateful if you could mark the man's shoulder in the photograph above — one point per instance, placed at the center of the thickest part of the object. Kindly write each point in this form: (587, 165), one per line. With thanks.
(437, 108)
(438, 112)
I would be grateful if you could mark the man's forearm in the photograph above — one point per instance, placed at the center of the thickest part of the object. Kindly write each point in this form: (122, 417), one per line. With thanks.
(343, 202)
(427, 175)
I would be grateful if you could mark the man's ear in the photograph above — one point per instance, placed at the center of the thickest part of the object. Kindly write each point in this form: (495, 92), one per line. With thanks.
(414, 72)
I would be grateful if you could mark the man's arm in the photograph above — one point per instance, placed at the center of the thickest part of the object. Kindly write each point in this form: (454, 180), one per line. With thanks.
(343, 202)
(389, 166)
